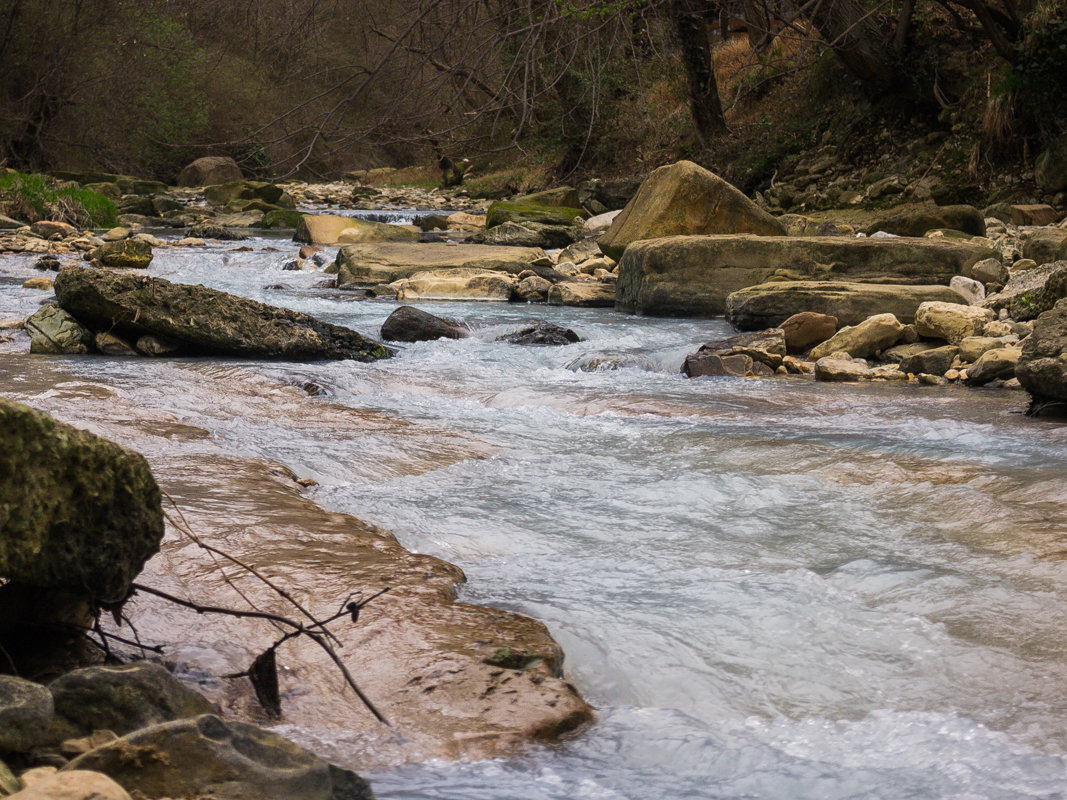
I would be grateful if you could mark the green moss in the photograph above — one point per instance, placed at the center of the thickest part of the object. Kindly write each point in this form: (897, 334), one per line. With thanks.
(512, 659)
(500, 213)
(34, 197)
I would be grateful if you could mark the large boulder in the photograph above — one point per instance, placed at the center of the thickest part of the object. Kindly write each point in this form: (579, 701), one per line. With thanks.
(865, 339)
(1031, 292)
(456, 284)
(364, 265)
(120, 699)
(770, 304)
(952, 322)
(1046, 245)
(931, 361)
(693, 275)
(226, 760)
(210, 171)
(25, 714)
(55, 332)
(529, 234)
(204, 321)
(408, 324)
(685, 199)
(330, 229)
(77, 512)
(1042, 365)
(806, 329)
(126, 253)
(916, 220)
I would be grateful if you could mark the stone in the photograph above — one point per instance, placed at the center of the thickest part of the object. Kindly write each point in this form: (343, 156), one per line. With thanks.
(130, 253)
(582, 294)
(561, 197)
(456, 284)
(916, 220)
(48, 229)
(771, 304)
(408, 324)
(47, 264)
(208, 229)
(933, 361)
(973, 347)
(120, 699)
(116, 234)
(221, 194)
(1031, 292)
(25, 714)
(226, 760)
(838, 370)
(81, 513)
(598, 225)
(1050, 167)
(806, 329)
(9, 224)
(1046, 245)
(533, 289)
(364, 266)
(157, 346)
(578, 252)
(462, 221)
(735, 365)
(204, 321)
(523, 212)
(993, 365)
(693, 275)
(970, 290)
(766, 347)
(54, 331)
(541, 333)
(210, 171)
(243, 219)
(609, 362)
(1042, 365)
(988, 270)
(529, 234)
(951, 321)
(997, 328)
(281, 218)
(871, 336)
(332, 230)
(1037, 214)
(111, 345)
(41, 283)
(74, 785)
(1022, 265)
(685, 199)
(9, 784)
(600, 196)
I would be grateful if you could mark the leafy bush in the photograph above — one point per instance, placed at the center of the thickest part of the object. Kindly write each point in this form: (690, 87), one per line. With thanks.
(33, 197)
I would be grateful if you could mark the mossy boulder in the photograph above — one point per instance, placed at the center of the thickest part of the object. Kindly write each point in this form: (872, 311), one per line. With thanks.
(522, 212)
(204, 321)
(210, 171)
(247, 190)
(127, 253)
(282, 218)
(77, 512)
(561, 196)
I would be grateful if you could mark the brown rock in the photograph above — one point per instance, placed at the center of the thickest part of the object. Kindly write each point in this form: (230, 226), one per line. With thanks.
(1042, 214)
(73, 785)
(806, 329)
(38, 283)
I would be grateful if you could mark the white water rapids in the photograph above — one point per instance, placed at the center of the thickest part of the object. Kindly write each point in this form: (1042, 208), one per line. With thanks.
(770, 589)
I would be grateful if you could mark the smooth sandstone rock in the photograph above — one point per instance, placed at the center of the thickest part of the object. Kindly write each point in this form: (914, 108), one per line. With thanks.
(685, 199)
(364, 265)
(952, 322)
(73, 785)
(806, 329)
(994, 365)
(204, 320)
(839, 370)
(456, 284)
(972, 348)
(330, 230)
(582, 294)
(693, 275)
(25, 714)
(79, 513)
(931, 361)
(864, 339)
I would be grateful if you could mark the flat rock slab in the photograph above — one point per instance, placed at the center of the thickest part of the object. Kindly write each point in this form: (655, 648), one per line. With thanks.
(770, 304)
(332, 229)
(204, 321)
(361, 266)
(693, 275)
(582, 294)
(456, 284)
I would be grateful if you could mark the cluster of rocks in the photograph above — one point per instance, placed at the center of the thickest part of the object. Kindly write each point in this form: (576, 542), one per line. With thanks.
(409, 324)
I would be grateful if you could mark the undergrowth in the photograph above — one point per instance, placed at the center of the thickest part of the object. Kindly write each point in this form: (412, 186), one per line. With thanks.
(34, 197)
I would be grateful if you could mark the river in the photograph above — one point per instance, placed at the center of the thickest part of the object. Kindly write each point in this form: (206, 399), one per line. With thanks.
(769, 588)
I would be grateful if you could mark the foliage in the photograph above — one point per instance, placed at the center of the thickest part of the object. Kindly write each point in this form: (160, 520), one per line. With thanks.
(1040, 73)
(34, 197)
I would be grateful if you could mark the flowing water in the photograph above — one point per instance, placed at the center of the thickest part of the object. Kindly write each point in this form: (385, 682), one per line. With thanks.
(770, 589)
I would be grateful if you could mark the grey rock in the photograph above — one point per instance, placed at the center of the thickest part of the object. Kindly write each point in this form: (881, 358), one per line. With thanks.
(408, 324)
(541, 333)
(25, 714)
(54, 331)
(934, 361)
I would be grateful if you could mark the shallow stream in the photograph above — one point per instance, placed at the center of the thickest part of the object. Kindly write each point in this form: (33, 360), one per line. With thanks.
(769, 588)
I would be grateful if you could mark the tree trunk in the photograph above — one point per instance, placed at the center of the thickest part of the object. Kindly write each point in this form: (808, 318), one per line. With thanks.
(699, 69)
(852, 31)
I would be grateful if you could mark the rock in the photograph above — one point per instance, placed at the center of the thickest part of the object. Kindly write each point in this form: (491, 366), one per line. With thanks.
(950, 321)
(533, 289)
(934, 361)
(116, 234)
(9, 224)
(1042, 366)
(864, 339)
(973, 347)
(970, 290)
(1040, 214)
(282, 218)
(997, 328)
(840, 370)
(25, 713)
(1032, 292)
(993, 365)
(1045, 246)
(221, 194)
(204, 320)
(737, 365)
(541, 333)
(365, 265)
(53, 331)
(243, 219)
(1022, 265)
(582, 294)
(609, 362)
(227, 760)
(766, 347)
(599, 196)
(82, 514)
(432, 222)
(120, 699)
(916, 220)
(210, 171)
(901, 352)
(770, 304)
(47, 264)
(408, 324)
(988, 270)
(806, 329)
(685, 199)
(1050, 167)
(462, 221)
(131, 253)
(578, 252)
(47, 229)
(599, 224)
(41, 283)
(9, 784)
(329, 229)
(561, 197)
(111, 345)
(693, 275)
(456, 284)
(524, 212)
(74, 785)
(156, 346)
(529, 234)
(210, 230)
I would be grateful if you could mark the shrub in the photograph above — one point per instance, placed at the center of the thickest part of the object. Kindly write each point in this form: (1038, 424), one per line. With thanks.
(34, 197)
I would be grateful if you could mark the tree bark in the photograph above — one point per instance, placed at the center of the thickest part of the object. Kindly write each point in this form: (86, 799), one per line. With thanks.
(704, 99)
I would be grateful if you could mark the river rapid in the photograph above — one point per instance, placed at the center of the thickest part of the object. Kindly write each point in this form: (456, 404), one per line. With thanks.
(769, 588)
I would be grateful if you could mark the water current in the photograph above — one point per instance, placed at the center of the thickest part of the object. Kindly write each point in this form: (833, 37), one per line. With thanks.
(769, 588)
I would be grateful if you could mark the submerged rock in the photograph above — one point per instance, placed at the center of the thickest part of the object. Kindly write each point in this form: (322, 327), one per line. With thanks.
(408, 324)
(609, 362)
(541, 333)
(205, 320)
